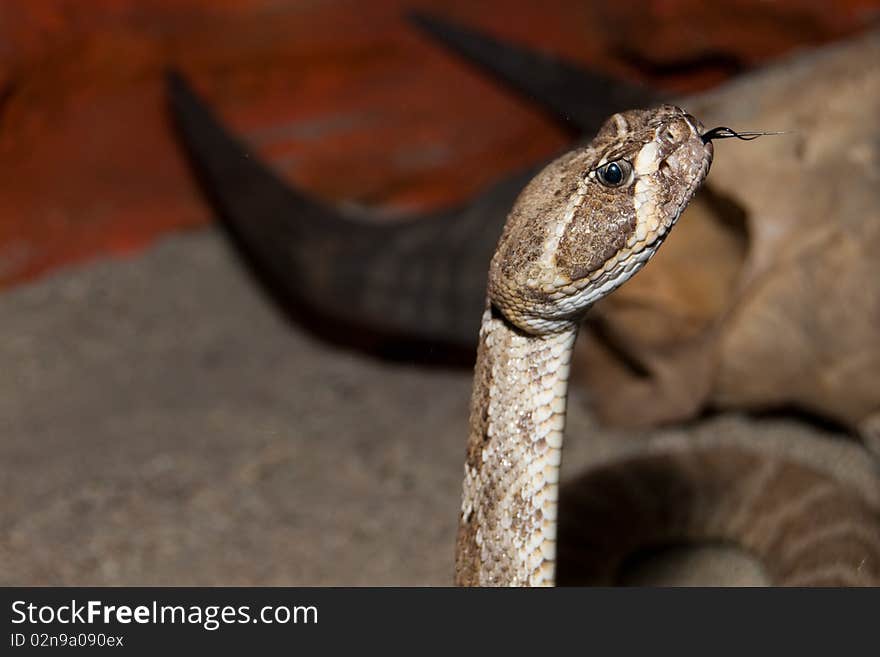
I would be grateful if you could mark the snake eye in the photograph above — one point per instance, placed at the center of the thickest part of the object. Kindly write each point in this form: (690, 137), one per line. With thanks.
(614, 174)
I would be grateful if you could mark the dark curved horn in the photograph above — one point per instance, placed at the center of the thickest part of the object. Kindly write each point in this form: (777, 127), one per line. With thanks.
(422, 277)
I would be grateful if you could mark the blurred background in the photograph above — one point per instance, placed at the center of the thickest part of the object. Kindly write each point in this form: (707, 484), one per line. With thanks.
(161, 422)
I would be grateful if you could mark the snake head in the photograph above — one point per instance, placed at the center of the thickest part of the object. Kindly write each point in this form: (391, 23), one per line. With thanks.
(592, 218)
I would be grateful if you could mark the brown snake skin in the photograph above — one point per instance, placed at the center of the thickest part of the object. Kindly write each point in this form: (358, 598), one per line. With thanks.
(802, 525)
(577, 232)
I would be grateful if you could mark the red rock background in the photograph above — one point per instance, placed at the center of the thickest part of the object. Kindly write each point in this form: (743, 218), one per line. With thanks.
(343, 97)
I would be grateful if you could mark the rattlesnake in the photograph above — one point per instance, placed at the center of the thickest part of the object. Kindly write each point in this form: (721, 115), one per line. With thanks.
(588, 222)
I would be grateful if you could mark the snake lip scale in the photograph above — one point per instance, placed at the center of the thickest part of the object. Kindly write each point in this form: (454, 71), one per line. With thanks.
(581, 228)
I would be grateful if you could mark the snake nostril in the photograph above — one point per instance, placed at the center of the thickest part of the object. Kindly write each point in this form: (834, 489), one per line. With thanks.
(665, 169)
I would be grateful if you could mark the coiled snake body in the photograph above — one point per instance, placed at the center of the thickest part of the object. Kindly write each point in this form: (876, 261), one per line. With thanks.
(587, 223)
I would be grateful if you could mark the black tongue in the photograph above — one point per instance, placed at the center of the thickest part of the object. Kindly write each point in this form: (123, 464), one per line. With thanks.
(722, 132)
(581, 99)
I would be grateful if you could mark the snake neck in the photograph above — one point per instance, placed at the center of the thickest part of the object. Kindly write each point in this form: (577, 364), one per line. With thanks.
(507, 527)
